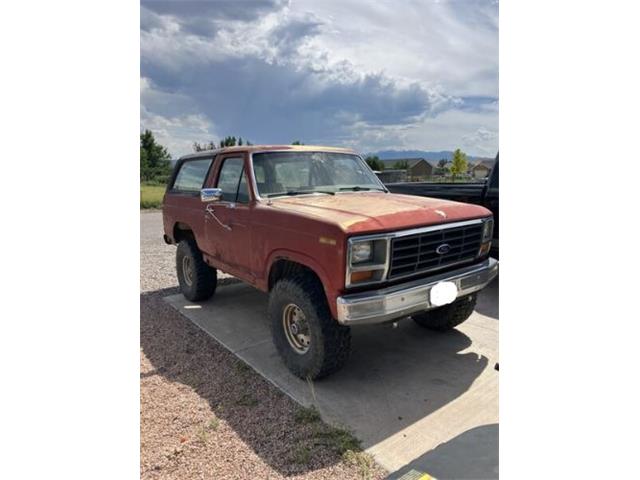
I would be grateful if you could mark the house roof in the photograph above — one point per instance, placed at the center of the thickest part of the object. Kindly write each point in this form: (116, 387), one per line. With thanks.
(485, 162)
(411, 161)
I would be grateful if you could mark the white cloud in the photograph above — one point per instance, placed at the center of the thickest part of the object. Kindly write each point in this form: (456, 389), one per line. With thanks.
(367, 74)
(452, 45)
(177, 132)
(476, 132)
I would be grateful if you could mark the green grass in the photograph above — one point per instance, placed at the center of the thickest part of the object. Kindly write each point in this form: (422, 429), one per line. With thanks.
(214, 423)
(242, 368)
(338, 439)
(151, 195)
(247, 401)
(307, 415)
(302, 455)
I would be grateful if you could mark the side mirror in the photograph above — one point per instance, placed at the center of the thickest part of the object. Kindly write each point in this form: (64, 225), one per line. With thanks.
(210, 195)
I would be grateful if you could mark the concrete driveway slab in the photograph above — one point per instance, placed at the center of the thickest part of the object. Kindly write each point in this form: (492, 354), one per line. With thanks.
(404, 391)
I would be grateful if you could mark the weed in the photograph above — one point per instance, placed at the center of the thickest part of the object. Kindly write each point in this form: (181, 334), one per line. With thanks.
(203, 436)
(313, 390)
(242, 368)
(302, 455)
(361, 460)
(214, 423)
(247, 401)
(339, 439)
(307, 415)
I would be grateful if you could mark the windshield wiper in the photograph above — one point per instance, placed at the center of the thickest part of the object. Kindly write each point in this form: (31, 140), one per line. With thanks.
(358, 188)
(299, 192)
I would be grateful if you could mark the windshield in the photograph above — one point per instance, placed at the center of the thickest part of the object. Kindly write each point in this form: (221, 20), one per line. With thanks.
(295, 173)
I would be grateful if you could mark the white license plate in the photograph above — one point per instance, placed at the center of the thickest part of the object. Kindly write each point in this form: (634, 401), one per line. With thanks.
(443, 293)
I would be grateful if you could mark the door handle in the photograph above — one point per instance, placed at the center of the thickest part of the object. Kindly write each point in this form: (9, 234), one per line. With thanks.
(211, 212)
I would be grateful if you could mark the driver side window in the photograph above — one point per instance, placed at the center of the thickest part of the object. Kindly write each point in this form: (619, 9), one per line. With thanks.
(232, 181)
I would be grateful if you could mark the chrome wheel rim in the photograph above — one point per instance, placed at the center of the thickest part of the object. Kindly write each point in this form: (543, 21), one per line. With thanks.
(296, 328)
(187, 270)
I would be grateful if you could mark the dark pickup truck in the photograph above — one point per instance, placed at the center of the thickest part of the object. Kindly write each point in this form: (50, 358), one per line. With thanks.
(484, 194)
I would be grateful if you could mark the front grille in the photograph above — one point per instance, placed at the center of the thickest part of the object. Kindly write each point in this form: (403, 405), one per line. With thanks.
(417, 253)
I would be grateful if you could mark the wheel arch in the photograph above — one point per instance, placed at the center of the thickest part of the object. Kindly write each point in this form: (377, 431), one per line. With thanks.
(286, 264)
(182, 231)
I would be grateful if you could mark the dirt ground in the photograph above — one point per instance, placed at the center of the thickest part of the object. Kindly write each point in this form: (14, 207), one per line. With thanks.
(204, 414)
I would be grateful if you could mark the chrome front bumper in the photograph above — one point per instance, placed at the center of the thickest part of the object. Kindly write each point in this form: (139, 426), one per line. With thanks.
(395, 302)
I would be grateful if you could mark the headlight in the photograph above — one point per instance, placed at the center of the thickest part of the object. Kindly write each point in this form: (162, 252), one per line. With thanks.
(487, 230)
(361, 252)
(367, 260)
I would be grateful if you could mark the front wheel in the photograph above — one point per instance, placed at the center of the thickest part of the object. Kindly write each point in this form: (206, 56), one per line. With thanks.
(197, 280)
(311, 343)
(447, 317)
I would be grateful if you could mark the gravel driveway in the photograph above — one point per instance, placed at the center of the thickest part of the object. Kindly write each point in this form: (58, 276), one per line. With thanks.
(206, 415)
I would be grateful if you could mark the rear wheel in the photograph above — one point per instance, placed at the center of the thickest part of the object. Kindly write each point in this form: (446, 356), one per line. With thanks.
(197, 279)
(311, 343)
(447, 317)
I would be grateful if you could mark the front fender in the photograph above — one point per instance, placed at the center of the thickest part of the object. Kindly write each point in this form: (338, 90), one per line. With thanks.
(330, 289)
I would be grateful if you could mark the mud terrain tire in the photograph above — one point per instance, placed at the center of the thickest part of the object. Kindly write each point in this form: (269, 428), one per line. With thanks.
(326, 344)
(197, 280)
(447, 317)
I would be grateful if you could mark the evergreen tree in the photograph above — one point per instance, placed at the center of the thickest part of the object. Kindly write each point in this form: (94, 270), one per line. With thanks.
(375, 163)
(154, 158)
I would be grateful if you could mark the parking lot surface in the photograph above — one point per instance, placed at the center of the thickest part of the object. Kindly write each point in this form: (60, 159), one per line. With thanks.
(204, 413)
(420, 401)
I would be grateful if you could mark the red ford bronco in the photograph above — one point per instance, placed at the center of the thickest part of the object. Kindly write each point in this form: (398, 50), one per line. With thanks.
(315, 228)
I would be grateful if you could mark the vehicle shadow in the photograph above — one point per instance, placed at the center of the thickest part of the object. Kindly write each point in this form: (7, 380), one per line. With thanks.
(397, 377)
(394, 378)
(471, 455)
(487, 303)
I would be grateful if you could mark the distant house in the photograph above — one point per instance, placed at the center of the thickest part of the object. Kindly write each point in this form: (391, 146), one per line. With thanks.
(418, 167)
(392, 176)
(444, 169)
(481, 168)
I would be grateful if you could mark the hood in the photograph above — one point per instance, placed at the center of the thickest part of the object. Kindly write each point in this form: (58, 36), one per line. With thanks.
(378, 211)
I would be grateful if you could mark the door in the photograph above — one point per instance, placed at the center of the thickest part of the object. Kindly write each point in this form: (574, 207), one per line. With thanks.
(227, 222)
(182, 203)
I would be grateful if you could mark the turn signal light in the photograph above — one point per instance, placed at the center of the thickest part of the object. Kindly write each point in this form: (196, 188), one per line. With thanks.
(361, 276)
(484, 249)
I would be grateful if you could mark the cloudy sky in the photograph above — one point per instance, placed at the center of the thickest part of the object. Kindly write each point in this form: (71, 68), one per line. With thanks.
(371, 75)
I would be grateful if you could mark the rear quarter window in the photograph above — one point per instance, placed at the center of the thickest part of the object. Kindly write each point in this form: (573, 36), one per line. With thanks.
(192, 175)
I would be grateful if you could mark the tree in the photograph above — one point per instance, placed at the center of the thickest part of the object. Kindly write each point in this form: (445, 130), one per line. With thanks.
(230, 141)
(227, 141)
(197, 147)
(459, 163)
(375, 163)
(401, 165)
(154, 159)
(442, 162)
(297, 142)
(144, 163)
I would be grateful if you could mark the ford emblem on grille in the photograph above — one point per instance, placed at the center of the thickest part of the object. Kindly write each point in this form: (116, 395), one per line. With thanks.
(442, 249)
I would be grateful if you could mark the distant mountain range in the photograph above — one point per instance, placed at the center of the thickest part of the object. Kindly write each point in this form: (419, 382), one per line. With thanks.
(395, 154)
